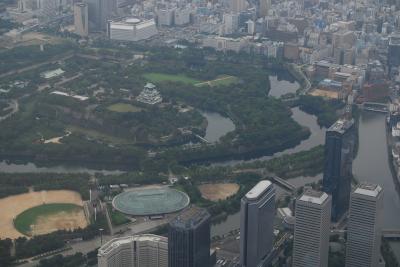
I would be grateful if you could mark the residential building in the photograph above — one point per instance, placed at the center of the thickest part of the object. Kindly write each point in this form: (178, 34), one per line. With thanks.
(189, 239)
(134, 251)
(312, 229)
(364, 226)
(339, 146)
(257, 214)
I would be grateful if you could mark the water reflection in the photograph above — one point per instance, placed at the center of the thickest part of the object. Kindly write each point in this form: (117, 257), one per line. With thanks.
(217, 126)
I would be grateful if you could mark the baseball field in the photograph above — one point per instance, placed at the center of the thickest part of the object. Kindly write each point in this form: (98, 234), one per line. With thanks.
(41, 212)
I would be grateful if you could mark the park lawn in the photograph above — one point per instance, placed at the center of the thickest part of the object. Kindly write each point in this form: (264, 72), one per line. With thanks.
(117, 217)
(162, 77)
(24, 220)
(99, 135)
(123, 108)
(222, 80)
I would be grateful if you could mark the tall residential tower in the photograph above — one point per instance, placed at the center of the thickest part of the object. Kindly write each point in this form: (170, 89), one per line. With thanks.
(364, 226)
(256, 224)
(189, 239)
(134, 251)
(312, 229)
(339, 146)
(81, 21)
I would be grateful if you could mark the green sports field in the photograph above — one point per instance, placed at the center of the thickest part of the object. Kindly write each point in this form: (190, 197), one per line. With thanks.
(29, 217)
(162, 77)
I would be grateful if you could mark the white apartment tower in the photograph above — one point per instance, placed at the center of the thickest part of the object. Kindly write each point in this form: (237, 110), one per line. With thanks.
(311, 231)
(257, 213)
(364, 226)
(134, 251)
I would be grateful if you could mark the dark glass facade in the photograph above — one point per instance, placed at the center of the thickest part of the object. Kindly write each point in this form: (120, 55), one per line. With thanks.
(339, 147)
(189, 239)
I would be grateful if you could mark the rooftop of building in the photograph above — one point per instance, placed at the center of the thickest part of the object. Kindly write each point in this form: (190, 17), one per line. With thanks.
(258, 189)
(341, 125)
(315, 197)
(116, 242)
(367, 189)
(190, 218)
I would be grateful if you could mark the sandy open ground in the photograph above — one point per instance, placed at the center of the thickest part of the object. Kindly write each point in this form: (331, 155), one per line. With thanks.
(11, 206)
(215, 192)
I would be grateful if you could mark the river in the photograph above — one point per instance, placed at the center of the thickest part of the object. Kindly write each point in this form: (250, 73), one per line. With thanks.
(371, 164)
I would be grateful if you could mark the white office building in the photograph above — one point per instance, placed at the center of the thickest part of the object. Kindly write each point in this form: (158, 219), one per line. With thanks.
(364, 226)
(132, 29)
(257, 214)
(311, 231)
(134, 251)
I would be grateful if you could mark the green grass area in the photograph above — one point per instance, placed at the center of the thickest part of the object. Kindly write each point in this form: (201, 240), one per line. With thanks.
(117, 217)
(27, 218)
(162, 77)
(98, 135)
(222, 80)
(123, 108)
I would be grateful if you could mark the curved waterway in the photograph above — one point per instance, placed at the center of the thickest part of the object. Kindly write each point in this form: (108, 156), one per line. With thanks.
(372, 164)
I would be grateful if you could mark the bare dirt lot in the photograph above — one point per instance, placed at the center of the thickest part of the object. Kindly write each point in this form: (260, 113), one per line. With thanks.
(215, 192)
(11, 206)
(61, 220)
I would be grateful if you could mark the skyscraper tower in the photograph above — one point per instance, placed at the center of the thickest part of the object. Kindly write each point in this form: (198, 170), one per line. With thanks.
(189, 239)
(256, 224)
(311, 231)
(81, 19)
(364, 226)
(100, 11)
(265, 5)
(339, 146)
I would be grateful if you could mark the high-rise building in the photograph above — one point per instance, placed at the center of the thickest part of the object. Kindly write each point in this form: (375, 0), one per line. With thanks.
(339, 146)
(48, 9)
(81, 20)
(231, 22)
(257, 213)
(237, 6)
(364, 226)
(394, 51)
(265, 6)
(312, 229)
(189, 239)
(165, 16)
(100, 11)
(134, 251)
